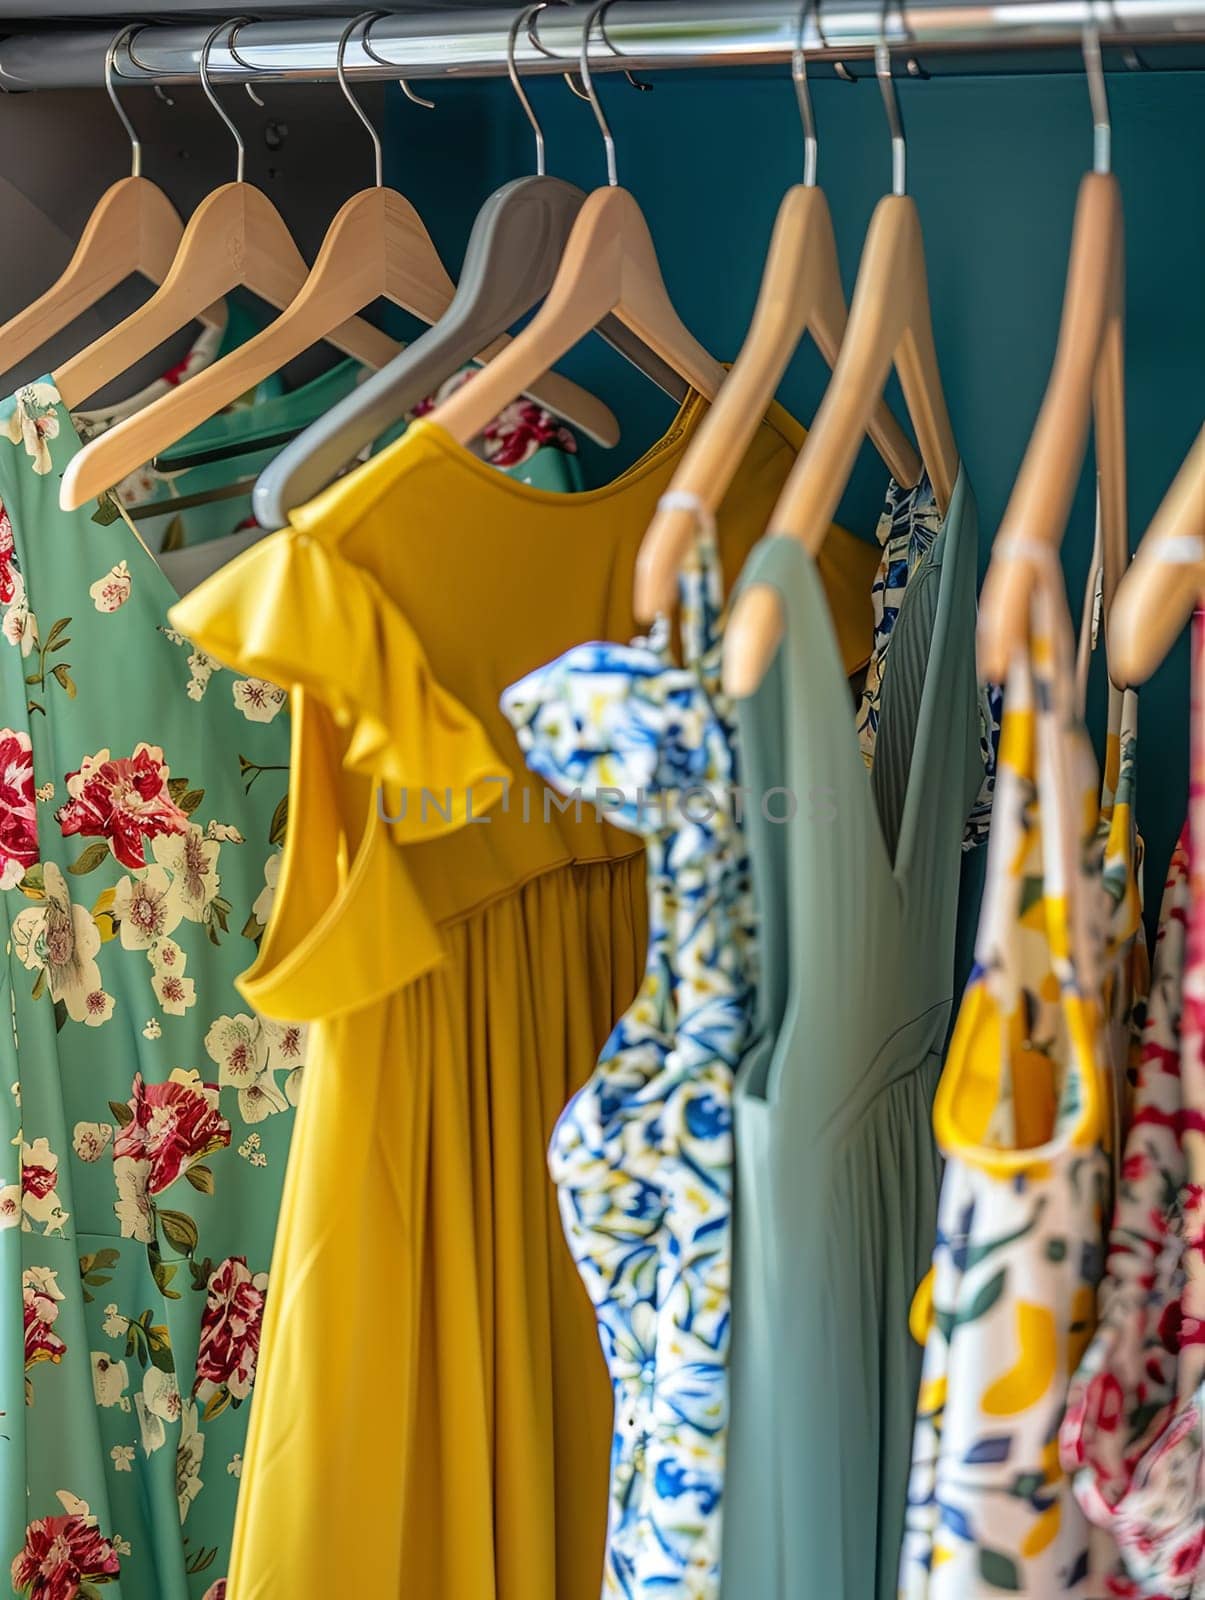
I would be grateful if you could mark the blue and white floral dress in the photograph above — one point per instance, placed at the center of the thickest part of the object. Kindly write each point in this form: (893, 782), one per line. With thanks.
(642, 1155)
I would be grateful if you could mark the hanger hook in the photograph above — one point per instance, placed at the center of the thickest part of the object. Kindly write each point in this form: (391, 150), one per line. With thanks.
(899, 145)
(1102, 128)
(839, 67)
(799, 76)
(574, 87)
(637, 83)
(366, 18)
(1133, 61)
(234, 56)
(366, 46)
(525, 17)
(600, 115)
(118, 40)
(207, 86)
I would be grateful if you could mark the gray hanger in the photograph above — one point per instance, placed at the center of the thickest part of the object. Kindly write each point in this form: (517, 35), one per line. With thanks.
(513, 254)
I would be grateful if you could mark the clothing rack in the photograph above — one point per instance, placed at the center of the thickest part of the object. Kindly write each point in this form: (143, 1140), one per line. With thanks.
(642, 34)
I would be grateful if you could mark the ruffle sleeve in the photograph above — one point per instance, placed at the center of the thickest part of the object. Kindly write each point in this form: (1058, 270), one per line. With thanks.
(296, 612)
(375, 738)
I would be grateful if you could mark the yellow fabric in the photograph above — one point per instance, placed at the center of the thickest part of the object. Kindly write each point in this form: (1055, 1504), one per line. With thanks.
(432, 1415)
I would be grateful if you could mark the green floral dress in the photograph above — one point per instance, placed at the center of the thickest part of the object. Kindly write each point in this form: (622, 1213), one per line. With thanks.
(145, 1114)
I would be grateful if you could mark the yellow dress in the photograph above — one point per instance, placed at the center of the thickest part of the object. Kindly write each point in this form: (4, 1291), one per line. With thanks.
(432, 1413)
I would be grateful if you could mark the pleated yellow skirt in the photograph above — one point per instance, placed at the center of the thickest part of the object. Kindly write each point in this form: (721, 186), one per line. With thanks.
(431, 1382)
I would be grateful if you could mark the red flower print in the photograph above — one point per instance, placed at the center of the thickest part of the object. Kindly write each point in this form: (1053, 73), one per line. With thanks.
(516, 433)
(42, 1298)
(177, 374)
(1104, 1403)
(1170, 1319)
(37, 1180)
(8, 565)
(173, 1125)
(1188, 1557)
(61, 1555)
(124, 801)
(519, 430)
(1136, 1165)
(230, 1330)
(216, 1591)
(18, 806)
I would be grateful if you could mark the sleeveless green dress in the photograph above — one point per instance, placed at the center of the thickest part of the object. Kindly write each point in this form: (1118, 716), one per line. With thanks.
(837, 1172)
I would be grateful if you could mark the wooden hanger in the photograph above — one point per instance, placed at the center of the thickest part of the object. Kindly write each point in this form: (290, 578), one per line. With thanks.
(1087, 382)
(801, 292)
(889, 322)
(236, 237)
(377, 245)
(134, 228)
(1165, 582)
(610, 265)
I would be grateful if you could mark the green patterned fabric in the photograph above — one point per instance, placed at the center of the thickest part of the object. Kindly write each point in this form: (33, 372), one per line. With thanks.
(145, 1114)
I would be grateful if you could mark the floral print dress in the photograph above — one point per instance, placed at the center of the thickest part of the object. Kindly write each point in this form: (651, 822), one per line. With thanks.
(146, 1110)
(1023, 1115)
(642, 1155)
(1134, 1430)
(145, 1114)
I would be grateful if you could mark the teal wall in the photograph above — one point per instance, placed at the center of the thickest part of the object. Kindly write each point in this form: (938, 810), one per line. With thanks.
(994, 163)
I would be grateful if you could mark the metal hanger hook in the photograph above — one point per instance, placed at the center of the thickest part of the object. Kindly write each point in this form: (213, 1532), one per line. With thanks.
(524, 19)
(234, 56)
(899, 145)
(637, 83)
(1133, 61)
(366, 46)
(573, 86)
(119, 39)
(1102, 127)
(600, 116)
(366, 18)
(799, 76)
(206, 49)
(839, 67)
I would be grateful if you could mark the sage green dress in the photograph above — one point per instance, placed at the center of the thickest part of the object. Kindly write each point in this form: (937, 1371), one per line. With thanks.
(837, 1171)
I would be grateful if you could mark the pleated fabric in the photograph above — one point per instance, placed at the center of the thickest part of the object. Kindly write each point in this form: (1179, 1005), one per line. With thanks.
(458, 1322)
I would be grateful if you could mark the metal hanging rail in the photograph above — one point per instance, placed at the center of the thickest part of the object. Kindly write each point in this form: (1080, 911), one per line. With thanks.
(649, 34)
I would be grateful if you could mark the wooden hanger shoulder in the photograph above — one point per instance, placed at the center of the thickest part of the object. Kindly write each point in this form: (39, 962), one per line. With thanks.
(801, 292)
(889, 323)
(1087, 378)
(134, 228)
(236, 237)
(609, 264)
(1164, 584)
(379, 246)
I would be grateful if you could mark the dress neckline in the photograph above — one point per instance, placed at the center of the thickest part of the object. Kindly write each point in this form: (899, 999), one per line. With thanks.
(764, 565)
(338, 509)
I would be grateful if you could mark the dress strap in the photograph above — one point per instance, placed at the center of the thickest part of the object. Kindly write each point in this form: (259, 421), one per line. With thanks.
(700, 581)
